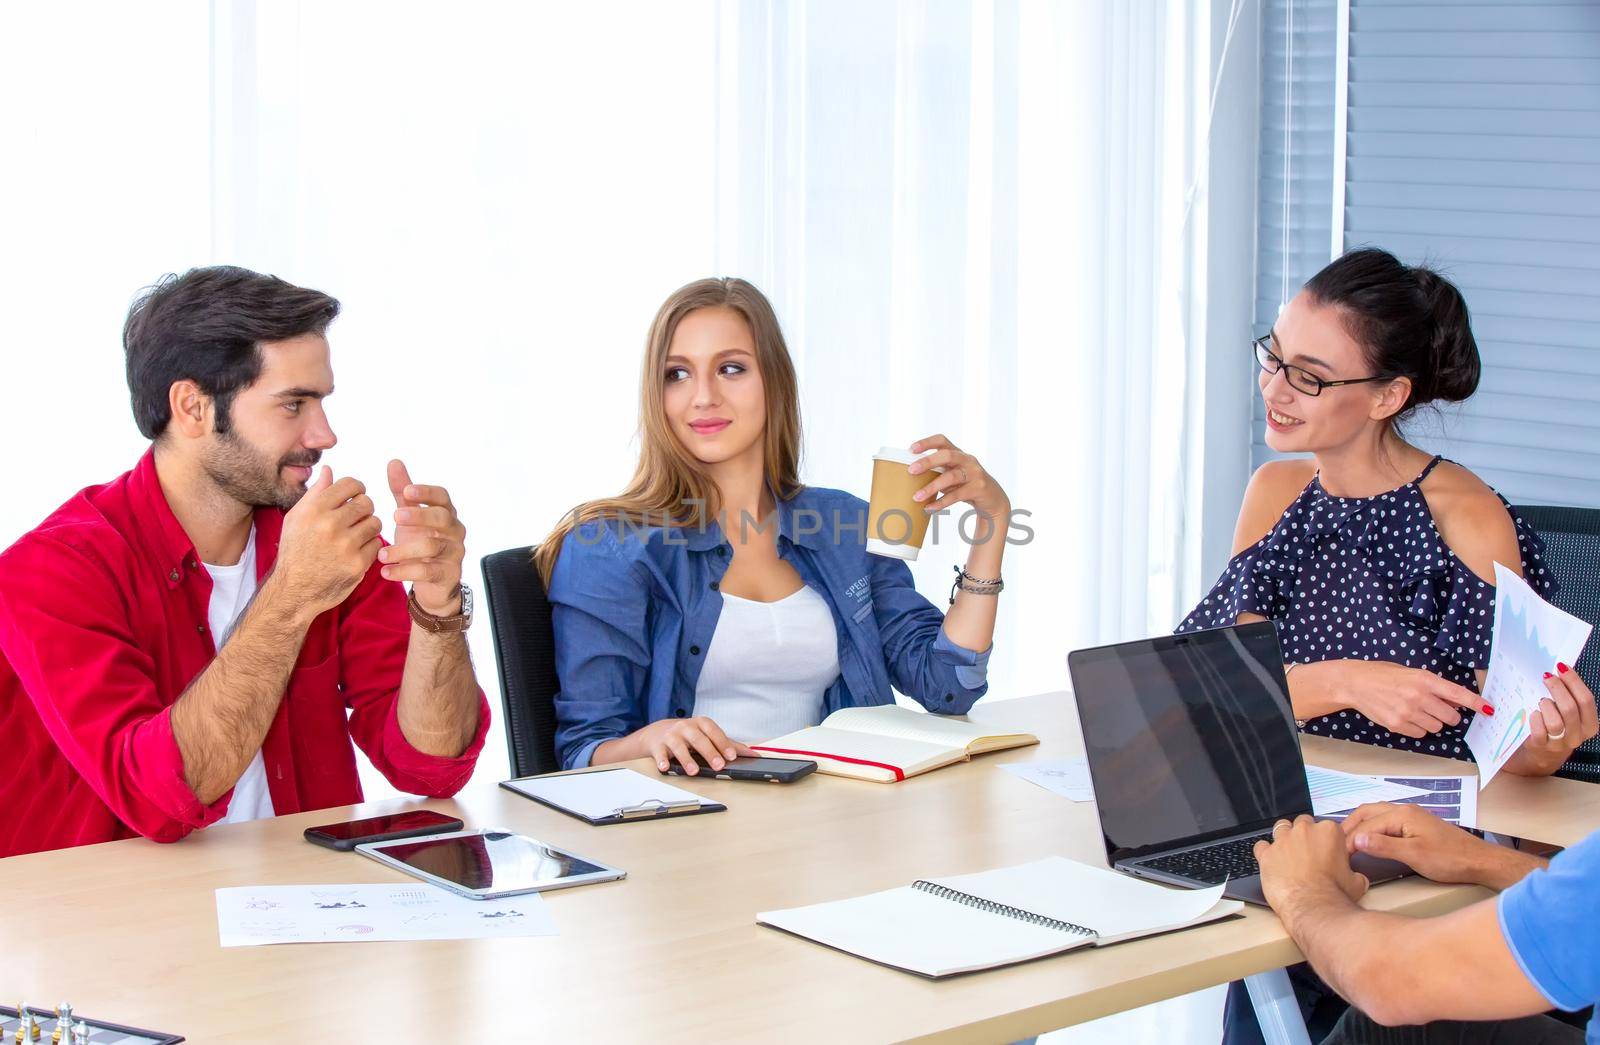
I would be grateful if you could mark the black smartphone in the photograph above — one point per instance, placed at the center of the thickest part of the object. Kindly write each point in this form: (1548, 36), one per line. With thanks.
(775, 770)
(409, 824)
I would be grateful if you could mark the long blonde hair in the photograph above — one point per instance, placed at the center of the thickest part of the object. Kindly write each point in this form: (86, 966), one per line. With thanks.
(669, 483)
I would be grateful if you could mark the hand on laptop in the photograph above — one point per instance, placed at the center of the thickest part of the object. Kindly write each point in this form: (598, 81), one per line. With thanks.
(1304, 860)
(1432, 847)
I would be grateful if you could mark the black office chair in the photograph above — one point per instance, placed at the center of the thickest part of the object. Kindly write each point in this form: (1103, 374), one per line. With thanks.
(1572, 552)
(525, 652)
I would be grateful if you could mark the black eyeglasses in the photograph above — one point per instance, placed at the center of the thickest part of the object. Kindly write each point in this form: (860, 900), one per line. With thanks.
(1299, 378)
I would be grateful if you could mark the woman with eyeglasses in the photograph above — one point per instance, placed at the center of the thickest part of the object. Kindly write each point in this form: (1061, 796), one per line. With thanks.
(1375, 558)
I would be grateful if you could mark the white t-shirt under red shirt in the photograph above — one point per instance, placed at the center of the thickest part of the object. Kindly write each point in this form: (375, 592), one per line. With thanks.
(232, 587)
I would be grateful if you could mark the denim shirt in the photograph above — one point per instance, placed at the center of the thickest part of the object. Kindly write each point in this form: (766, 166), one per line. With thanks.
(634, 609)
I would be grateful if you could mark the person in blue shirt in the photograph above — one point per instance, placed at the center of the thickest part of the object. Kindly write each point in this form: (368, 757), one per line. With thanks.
(1486, 973)
(718, 601)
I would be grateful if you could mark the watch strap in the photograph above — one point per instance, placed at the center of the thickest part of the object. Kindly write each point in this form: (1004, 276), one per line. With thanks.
(441, 625)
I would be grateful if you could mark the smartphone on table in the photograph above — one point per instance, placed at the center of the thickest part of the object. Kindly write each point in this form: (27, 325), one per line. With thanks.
(774, 770)
(409, 824)
(1526, 845)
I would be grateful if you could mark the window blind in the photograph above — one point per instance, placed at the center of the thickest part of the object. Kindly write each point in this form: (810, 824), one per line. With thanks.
(1294, 225)
(1474, 145)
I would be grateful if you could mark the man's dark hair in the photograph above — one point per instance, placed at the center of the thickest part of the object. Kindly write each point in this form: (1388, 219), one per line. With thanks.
(207, 326)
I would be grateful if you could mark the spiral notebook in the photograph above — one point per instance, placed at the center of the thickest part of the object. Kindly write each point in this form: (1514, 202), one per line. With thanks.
(944, 926)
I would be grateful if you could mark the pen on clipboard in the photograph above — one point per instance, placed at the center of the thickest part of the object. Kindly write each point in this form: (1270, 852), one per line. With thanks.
(655, 807)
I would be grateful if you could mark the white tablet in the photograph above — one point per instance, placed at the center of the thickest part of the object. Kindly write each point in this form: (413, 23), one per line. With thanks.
(488, 863)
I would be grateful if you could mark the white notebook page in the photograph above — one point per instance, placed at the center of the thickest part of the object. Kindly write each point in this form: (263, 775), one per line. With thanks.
(1110, 903)
(890, 720)
(915, 930)
(870, 747)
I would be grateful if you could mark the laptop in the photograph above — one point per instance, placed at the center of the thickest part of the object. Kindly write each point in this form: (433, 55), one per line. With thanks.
(1194, 755)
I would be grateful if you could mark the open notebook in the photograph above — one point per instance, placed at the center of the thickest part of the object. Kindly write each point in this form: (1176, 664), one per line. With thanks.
(943, 926)
(889, 743)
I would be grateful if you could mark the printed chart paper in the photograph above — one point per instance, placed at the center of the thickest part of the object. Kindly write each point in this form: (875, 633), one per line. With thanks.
(1336, 792)
(1450, 798)
(1530, 638)
(252, 915)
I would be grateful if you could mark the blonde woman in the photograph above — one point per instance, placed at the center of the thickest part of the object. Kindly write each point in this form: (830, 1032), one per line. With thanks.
(717, 601)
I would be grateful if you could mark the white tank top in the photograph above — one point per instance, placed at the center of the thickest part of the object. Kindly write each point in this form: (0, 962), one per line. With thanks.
(769, 666)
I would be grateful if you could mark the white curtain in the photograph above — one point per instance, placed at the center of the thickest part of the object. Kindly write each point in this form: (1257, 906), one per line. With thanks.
(971, 217)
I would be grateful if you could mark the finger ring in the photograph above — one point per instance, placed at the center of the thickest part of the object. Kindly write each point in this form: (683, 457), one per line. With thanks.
(1557, 736)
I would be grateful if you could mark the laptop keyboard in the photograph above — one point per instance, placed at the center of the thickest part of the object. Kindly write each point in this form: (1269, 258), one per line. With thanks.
(1225, 860)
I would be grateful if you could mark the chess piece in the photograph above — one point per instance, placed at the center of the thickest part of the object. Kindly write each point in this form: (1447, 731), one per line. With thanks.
(80, 1033)
(59, 1036)
(28, 1029)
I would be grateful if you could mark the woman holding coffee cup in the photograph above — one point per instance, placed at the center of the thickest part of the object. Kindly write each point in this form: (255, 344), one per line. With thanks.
(717, 601)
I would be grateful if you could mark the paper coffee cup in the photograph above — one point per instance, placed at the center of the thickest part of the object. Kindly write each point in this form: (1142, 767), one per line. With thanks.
(896, 522)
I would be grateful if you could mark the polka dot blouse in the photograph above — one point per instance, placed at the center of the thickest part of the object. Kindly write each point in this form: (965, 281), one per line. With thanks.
(1368, 578)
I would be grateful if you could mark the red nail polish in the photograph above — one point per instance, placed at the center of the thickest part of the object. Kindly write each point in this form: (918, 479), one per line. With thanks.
(1562, 668)
(1487, 710)
(1548, 675)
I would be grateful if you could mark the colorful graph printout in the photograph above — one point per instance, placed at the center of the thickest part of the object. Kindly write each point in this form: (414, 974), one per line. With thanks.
(1530, 638)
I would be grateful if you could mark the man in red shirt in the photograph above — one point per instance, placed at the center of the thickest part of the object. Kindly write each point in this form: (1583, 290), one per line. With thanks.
(201, 638)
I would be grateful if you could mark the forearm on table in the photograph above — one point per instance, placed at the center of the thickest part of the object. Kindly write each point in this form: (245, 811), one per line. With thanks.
(617, 749)
(1402, 971)
(1500, 867)
(1350, 948)
(969, 622)
(438, 702)
(220, 720)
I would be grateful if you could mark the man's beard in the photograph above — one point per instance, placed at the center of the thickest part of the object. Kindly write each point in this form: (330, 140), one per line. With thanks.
(245, 474)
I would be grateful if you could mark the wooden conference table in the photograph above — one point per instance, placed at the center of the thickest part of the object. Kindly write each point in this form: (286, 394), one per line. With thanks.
(127, 931)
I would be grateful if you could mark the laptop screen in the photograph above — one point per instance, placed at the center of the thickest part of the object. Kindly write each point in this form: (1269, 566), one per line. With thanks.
(1189, 737)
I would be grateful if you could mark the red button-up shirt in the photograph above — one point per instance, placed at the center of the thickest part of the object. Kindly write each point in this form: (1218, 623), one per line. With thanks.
(103, 626)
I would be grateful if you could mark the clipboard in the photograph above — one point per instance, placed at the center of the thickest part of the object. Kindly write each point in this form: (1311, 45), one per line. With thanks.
(593, 801)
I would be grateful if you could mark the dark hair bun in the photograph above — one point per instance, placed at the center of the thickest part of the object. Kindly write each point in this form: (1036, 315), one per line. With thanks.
(1410, 321)
(1455, 366)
